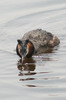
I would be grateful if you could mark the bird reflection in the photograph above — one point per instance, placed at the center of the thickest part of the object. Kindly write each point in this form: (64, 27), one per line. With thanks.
(28, 66)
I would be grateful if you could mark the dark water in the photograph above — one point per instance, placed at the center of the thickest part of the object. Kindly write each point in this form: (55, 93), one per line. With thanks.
(42, 77)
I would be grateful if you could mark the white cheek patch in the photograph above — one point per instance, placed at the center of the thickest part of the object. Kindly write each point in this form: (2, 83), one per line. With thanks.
(20, 51)
(27, 51)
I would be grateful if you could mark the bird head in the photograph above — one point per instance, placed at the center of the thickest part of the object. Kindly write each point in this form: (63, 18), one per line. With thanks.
(25, 49)
(22, 49)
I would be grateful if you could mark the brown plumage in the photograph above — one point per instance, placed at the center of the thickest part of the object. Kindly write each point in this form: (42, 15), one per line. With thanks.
(30, 49)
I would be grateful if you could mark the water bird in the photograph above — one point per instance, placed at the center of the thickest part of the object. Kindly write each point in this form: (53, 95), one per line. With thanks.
(25, 49)
(36, 42)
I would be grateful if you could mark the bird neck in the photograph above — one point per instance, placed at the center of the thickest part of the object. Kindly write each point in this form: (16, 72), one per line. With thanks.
(30, 50)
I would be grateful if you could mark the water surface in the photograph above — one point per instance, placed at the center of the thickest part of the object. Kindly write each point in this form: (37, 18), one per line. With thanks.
(42, 77)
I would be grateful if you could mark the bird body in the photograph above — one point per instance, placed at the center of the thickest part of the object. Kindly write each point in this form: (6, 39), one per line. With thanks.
(42, 40)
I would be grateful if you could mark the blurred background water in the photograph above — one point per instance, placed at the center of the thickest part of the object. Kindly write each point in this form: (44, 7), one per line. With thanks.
(44, 78)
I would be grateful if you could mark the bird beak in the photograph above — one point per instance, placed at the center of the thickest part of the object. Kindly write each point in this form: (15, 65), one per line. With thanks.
(22, 59)
(23, 54)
